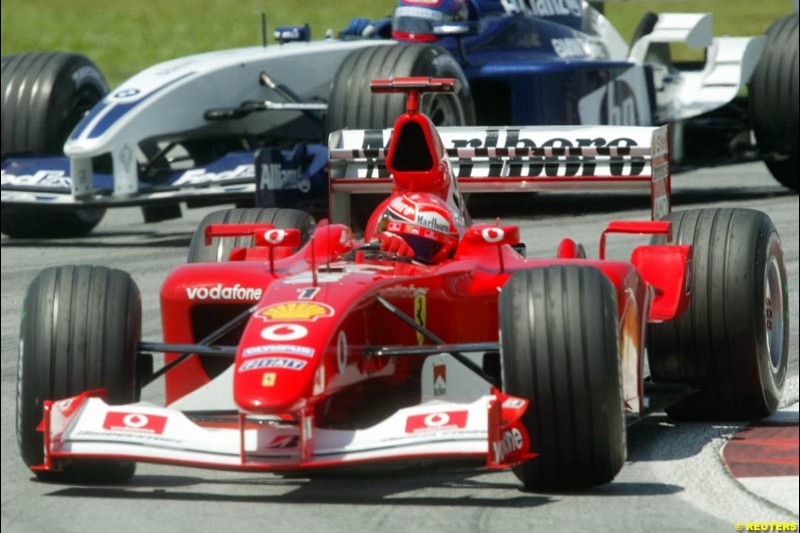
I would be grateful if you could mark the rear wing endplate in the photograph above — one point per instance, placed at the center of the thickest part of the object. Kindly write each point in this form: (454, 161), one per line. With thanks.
(514, 159)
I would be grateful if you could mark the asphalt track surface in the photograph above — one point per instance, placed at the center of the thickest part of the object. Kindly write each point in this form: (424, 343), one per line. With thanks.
(673, 480)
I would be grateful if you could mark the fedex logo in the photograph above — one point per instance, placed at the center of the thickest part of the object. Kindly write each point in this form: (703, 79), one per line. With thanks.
(44, 178)
(201, 175)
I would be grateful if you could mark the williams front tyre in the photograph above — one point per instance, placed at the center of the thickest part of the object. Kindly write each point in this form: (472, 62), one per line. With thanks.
(45, 95)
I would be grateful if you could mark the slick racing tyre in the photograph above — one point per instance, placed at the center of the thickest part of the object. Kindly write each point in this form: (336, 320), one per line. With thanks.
(732, 343)
(774, 104)
(559, 348)
(80, 329)
(352, 105)
(45, 95)
(220, 248)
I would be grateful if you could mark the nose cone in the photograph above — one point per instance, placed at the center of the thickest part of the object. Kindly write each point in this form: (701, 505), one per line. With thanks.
(278, 356)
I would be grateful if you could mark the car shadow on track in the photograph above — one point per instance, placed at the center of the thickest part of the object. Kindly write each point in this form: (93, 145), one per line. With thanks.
(466, 488)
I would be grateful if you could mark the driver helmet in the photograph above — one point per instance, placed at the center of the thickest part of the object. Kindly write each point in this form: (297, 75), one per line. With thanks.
(413, 20)
(424, 221)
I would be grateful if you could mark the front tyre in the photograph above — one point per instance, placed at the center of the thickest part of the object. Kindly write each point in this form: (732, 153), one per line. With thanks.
(559, 348)
(80, 329)
(732, 343)
(45, 95)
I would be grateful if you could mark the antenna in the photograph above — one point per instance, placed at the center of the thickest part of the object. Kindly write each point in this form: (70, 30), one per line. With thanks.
(264, 29)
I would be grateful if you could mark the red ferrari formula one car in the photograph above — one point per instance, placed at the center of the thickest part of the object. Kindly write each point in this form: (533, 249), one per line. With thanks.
(295, 347)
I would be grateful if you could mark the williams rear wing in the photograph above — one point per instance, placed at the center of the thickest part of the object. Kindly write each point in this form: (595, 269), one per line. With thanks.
(516, 159)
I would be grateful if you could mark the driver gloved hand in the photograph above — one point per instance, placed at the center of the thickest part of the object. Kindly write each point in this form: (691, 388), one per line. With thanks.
(394, 244)
(368, 29)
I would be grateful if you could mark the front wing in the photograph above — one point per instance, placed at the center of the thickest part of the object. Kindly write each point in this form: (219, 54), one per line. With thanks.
(47, 181)
(85, 427)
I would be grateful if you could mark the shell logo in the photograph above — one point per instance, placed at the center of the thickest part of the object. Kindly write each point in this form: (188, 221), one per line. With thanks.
(296, 311)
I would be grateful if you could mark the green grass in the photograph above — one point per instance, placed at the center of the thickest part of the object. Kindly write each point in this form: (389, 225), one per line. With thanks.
(731, 17)
(125, 37)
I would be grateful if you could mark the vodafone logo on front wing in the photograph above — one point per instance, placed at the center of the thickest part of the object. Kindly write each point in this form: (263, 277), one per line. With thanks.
(135, 422)
(444, 420)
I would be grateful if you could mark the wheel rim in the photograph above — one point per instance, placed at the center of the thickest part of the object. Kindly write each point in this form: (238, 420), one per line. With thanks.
(443, 110)
(84, 101)
(773, 313)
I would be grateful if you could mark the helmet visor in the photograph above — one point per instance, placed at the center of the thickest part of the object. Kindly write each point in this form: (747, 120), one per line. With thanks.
(425, 249)
(416, 20)
(412, 25)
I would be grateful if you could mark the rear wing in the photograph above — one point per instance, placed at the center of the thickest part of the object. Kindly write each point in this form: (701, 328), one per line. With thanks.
(516, 159)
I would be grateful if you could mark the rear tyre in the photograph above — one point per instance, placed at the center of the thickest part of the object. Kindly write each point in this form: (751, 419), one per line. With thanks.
(80, 329)
(774, 105)
(220, 249)
(559, 347)
(732, 342)
(45, 95)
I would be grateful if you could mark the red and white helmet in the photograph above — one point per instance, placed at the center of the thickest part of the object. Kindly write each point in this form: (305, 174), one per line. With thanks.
(423, 220)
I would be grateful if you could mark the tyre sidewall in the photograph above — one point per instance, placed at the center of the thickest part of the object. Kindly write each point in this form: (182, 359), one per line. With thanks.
(772, 378)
